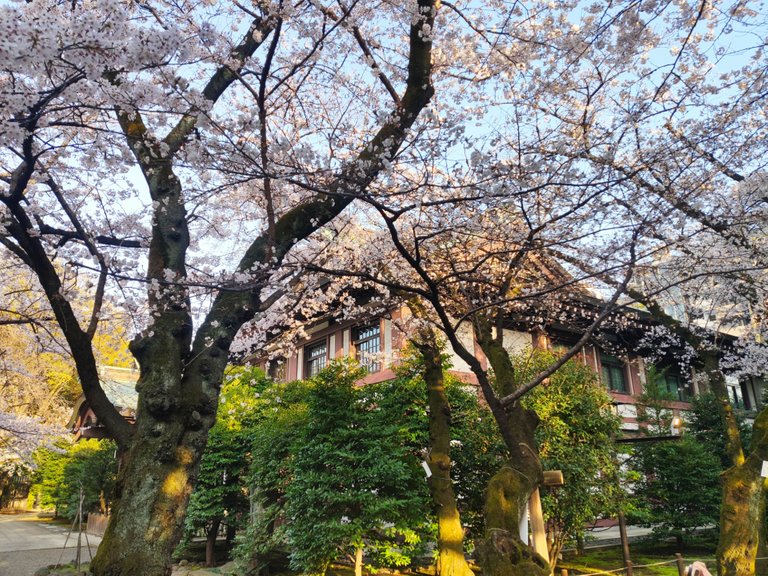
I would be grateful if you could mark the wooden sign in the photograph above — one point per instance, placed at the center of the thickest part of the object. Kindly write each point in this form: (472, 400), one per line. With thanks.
(553, 478)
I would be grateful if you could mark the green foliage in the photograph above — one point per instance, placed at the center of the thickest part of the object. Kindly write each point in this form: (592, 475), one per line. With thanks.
(706, 425)
(61, 472)
(356, 477)
(280, 429)
(336, 467)
(221, 493)
(678, 488)
(654, 415)
(576, 435)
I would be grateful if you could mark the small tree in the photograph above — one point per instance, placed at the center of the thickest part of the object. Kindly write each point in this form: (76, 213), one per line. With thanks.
(678, 488)
(356, 480)
(706, 426)
(62, 471)
(221, 493)
(275, 437)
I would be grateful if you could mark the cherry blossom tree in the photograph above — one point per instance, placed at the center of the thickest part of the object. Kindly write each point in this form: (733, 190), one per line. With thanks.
(135, 137)
(618, 159)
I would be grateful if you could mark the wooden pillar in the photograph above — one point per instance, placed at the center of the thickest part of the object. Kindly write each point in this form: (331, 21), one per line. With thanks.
(538, 531)
(523, 528)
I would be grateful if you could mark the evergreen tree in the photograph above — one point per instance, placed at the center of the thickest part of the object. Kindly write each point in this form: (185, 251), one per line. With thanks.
(678, 487)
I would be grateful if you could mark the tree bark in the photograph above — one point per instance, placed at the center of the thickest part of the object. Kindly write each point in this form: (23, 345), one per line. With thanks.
(742, 510)
(210, 543)
(502, 552)
(147, 520)
(450, 533)
(742, 515)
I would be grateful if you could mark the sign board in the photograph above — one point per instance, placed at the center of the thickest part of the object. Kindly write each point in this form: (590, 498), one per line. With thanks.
(427, 470)
(764, 469)
(553, 478)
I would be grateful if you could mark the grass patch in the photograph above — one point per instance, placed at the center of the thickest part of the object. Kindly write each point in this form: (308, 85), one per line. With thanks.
(607, 560)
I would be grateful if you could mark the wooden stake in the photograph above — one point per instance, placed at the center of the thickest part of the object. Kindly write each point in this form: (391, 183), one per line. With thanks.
(79, 529)
(538, 530)
(625, 543)
(680, 564)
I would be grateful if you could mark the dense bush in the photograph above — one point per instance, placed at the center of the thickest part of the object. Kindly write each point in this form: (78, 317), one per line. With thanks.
(61, 473)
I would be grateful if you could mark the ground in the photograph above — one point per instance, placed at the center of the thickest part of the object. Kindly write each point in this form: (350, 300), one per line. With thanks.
(28, 542)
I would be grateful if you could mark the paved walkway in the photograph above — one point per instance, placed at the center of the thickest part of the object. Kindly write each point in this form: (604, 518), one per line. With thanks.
(28, 542)
(609, 536)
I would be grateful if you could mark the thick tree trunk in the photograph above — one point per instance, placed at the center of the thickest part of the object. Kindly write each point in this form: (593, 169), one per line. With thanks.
(742, 516)
(502, 552)
(742, 510)
(450, 533)
(154, 487)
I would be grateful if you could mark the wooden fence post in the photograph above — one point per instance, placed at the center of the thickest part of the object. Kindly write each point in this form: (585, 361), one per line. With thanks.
(625, 543)
(680, 564)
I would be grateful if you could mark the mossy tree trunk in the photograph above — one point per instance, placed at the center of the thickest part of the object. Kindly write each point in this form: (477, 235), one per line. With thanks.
(502, 552)
(450, 533)
(742, 515)
(742, 509)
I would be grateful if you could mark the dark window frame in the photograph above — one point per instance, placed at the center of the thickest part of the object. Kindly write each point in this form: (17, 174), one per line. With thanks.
(613, 369)
(314, 364)
(367, 341)
(737, 393)
(675, 384)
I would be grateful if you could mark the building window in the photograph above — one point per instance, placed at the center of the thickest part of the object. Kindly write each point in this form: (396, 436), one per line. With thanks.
(674, 384)
(736, 393)
(315, 356)
(276, 369)
(367, 341)
(613, 373)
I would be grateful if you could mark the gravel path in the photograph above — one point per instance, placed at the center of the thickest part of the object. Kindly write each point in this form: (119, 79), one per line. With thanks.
(26, 562)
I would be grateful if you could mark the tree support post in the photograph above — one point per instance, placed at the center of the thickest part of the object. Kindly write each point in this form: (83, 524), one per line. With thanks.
(538, 529)
(680, 564)
(625, 543)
